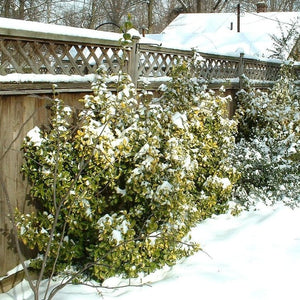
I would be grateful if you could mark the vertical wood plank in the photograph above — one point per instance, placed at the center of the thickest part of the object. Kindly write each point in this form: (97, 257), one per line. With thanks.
(18, 114)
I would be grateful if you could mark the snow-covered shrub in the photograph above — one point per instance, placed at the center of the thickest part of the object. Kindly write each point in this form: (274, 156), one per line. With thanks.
(123, 182)
(267, 150)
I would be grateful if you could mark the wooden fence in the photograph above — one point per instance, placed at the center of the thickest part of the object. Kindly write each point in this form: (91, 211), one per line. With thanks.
(31, 60)
(65, 56)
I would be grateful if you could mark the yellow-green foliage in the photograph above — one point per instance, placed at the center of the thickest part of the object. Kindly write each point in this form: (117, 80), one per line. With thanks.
(131, 177)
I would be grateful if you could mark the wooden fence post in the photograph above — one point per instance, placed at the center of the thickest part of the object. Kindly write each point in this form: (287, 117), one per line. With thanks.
(133, 62)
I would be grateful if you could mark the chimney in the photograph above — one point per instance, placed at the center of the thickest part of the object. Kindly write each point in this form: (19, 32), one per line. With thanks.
(261, 7)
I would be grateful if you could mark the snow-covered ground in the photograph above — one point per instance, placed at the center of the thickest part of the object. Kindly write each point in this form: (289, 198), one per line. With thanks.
(254, 256)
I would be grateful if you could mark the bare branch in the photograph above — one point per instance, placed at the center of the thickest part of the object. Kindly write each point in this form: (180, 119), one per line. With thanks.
(183, 4)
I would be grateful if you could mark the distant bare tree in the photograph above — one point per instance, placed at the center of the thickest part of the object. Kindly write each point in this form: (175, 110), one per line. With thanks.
(33, 10)
(272, 5)
(203, 5)
(286, 5)
(7, 8)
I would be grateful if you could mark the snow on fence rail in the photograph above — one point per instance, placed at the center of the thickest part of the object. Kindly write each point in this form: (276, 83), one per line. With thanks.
(34, 48)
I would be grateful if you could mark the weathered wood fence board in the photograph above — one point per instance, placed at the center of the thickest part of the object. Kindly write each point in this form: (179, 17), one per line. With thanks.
(19, 114)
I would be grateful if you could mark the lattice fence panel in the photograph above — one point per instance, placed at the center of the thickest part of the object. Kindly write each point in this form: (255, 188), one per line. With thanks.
(218, 68)
(261, 71)
(272, 72)
(157, 64)
(46, 57)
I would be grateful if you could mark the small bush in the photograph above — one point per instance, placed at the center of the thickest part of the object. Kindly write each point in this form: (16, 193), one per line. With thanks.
(125, 183)
(267, 152)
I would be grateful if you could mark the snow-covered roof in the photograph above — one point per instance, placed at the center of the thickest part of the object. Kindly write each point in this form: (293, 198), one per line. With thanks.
(217, 32)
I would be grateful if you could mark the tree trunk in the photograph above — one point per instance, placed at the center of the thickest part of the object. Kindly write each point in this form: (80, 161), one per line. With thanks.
(7, 5)
(150, 14)
(21, 9)
(199, 6)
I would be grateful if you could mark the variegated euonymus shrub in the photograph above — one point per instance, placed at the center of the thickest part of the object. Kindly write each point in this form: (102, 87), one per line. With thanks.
(124, 183)
(267, 148)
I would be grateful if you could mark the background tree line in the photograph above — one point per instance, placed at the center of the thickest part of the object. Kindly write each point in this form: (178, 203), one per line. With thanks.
(153, 15)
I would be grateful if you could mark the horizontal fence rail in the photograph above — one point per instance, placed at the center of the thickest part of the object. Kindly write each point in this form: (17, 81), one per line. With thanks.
(44, 53)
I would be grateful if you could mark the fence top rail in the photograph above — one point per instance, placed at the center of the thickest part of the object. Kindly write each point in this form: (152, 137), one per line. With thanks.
(162, 49)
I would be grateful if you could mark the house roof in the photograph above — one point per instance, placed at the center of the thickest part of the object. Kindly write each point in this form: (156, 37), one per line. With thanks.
(217, 32)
